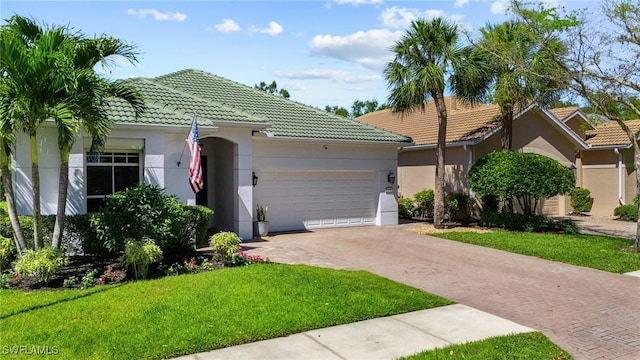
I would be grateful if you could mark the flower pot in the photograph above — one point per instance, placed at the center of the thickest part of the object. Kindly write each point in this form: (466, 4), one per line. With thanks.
(263, 228)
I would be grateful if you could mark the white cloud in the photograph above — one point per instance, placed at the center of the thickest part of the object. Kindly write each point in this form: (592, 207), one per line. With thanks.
(367, 48)
(273, 29)
(157, 15)
(227, 26)
(499, 7)
(401, 18)
(460, 3)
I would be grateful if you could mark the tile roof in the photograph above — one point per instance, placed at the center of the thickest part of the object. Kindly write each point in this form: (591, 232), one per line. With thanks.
(564, 112)
(464, 122)
(172, 98)
(608, 134)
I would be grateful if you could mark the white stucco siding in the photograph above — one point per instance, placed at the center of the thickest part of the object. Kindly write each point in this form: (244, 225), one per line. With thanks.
(319, 177)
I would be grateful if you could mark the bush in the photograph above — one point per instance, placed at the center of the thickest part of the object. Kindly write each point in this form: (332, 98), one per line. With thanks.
(581, 200)
(628, 212)
(424, 202)
(8, 252)
(526, 177)
(490, 203)
(225, 244)
(197, 222)
(459, 206)
(405, 208)
(144, 211)
(43, 263)
(4, 211)
(139, 255)
(527, 223)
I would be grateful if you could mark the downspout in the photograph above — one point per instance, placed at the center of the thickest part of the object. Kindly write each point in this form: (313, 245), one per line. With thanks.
(620, 200)
(469, 164)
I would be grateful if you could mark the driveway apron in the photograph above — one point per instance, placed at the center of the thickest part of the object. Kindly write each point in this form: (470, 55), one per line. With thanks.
(591, 314)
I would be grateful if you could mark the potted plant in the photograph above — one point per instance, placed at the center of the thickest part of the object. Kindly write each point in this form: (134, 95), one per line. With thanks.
(263, 224)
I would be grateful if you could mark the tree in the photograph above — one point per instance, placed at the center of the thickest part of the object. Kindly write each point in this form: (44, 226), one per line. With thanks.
(31, 88)
(360, 107)
(535, 177)
(52, 72)
(604, 66)
(428, 58)
(340, 111)
(272, 89)
(522, 71)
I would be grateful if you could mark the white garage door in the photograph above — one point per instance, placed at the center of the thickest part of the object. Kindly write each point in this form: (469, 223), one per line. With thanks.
(315, 199)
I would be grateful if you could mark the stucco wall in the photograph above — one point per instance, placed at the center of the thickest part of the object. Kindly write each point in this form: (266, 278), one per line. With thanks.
(600, 174)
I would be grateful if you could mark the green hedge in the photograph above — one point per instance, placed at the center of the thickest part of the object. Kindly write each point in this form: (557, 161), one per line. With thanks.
(527, 223)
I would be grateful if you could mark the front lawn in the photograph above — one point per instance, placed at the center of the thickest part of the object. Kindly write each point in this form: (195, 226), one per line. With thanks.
(521, 346)
(187, 314)
(597, 252)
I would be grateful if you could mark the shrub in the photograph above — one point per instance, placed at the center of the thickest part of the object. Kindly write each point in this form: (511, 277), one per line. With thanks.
(459, 206)
(424, 202)
(527, 223)
(141, 212)
(405, 208)
(490, 203)
(8, 252)
(628, 212)
(241, 258)
(526, 177)
(139, 255)
(197, 222)
(4, 211)
(581, 200)
(225, 244)
(43, 263)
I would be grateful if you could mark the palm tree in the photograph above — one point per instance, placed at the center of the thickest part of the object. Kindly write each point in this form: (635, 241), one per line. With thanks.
(522, 71)
(88, 97)
(29, 65)
(427, 59)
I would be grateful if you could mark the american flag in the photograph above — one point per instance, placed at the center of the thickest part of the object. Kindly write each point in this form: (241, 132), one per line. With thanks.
(195, 168)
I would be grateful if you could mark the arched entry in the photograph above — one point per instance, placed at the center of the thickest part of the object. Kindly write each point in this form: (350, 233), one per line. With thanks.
(219, 193)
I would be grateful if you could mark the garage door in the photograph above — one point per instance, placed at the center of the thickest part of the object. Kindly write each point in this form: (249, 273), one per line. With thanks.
(315, 199)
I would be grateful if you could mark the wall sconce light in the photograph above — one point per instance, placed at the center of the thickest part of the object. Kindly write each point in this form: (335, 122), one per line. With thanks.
(391, 178)
(254, 178)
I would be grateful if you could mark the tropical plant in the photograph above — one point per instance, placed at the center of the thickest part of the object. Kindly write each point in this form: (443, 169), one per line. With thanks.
(43, 263)
(261, 212)
(424, 202)
(225, 244)
(522, 68)
(428, 59)
(406, 208)
(139, 255)
(8, 252)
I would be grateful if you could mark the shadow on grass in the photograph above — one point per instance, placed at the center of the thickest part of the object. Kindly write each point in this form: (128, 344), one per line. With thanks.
(61, 301)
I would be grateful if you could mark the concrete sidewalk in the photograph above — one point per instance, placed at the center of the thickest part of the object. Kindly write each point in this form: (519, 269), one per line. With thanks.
(383, 338)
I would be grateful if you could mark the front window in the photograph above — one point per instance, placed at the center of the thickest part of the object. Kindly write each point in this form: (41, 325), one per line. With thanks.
(108, 173)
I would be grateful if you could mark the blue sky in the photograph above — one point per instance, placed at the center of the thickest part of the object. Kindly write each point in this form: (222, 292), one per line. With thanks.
(324, 52)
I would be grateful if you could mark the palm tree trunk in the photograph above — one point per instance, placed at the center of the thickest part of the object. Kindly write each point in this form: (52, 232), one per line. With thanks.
(63, 185)
(18, 236)
(506, 134)
(35, 181)
(439, 194)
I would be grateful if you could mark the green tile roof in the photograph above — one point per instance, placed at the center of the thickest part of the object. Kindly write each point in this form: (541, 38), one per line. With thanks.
(172, 98)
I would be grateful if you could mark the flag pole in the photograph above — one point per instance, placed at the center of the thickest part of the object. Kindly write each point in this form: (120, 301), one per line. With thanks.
(195, 116)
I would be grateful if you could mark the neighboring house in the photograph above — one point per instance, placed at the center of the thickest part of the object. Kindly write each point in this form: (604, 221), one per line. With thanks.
(608, 169)
(601, 158)
(313, 169)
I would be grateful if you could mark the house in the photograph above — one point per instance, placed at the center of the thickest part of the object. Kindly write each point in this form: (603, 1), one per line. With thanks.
(311, 168)
(600, 157)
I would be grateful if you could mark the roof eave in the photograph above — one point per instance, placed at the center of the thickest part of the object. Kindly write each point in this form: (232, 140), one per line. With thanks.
(609, 147)
(330, 140)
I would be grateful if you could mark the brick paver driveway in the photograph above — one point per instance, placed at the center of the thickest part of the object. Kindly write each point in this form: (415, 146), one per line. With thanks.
(591, 314)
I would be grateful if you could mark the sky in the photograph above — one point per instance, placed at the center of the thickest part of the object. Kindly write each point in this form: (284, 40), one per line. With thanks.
(323, 52)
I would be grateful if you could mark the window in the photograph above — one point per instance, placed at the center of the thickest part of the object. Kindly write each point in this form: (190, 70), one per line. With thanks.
(108, 173)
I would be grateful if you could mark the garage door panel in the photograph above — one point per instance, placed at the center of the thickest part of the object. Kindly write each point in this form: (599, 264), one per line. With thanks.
(314, 199)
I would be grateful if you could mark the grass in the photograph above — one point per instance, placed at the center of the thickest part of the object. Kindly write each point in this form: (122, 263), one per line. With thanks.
(187, 314)
(532, 345)
(597, 252)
